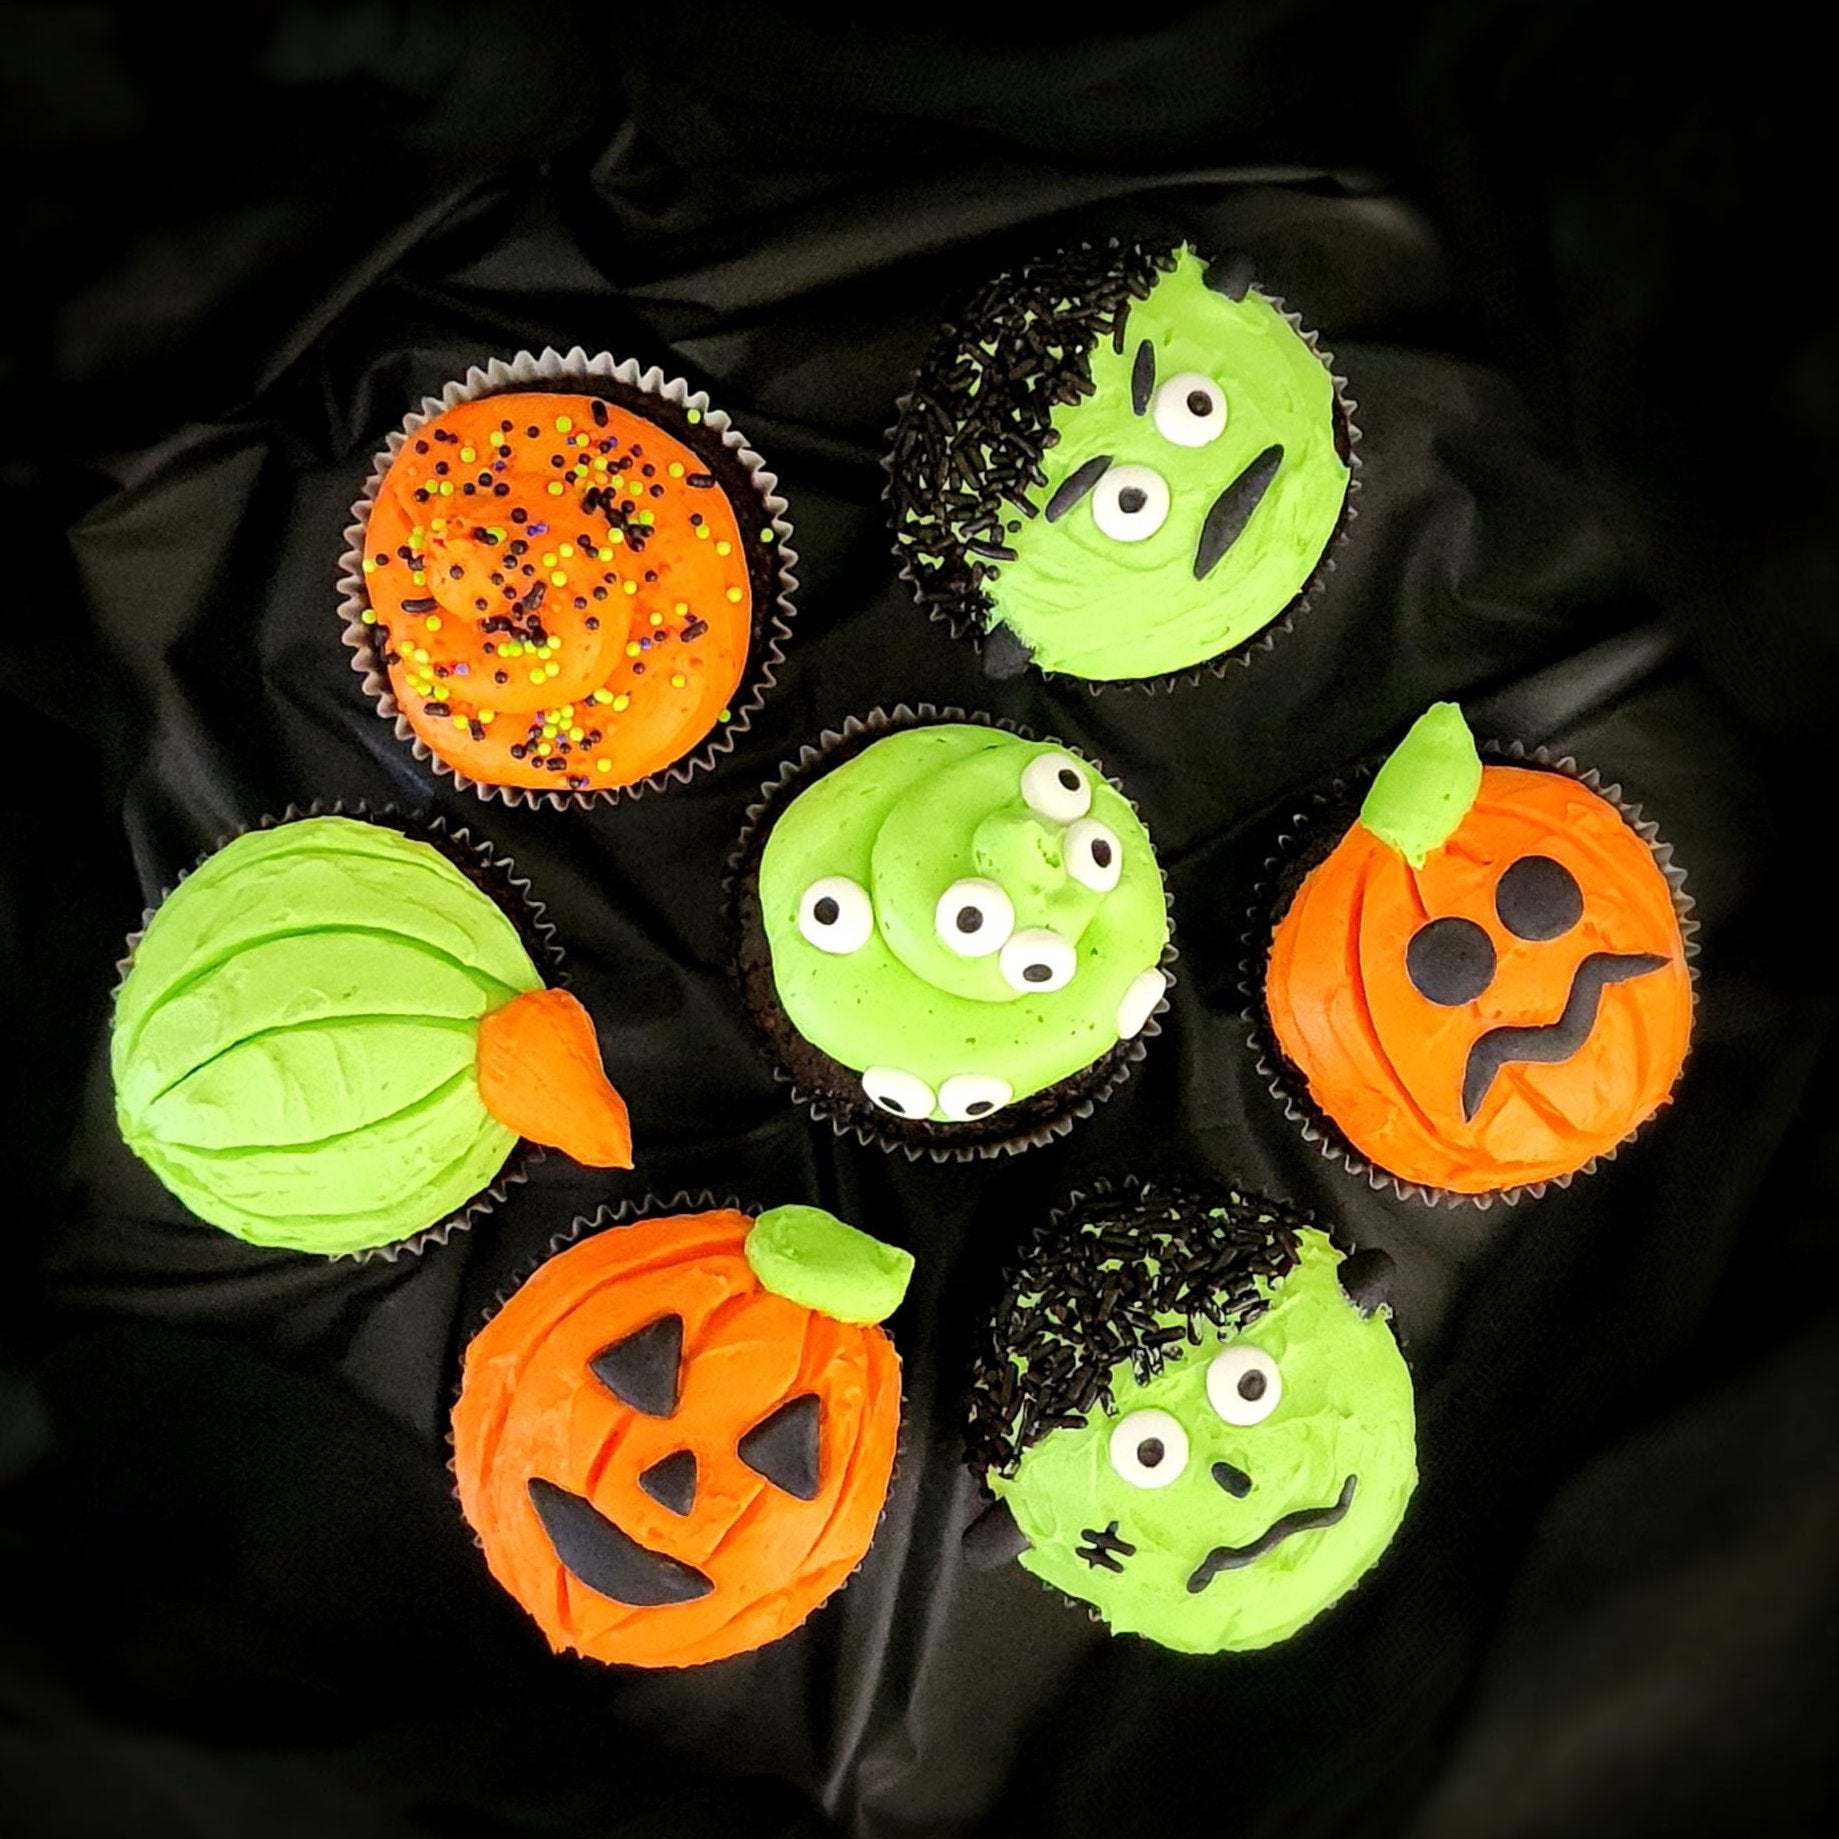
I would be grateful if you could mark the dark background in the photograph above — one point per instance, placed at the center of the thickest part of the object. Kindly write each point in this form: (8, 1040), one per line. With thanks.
(1570, 258)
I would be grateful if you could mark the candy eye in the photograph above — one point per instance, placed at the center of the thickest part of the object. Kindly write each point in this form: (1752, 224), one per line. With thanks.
(1130, 503)
(1053, 787)
(1036, 961)
(1189, 410)
(903, 1094)
(1243, 1385)
(836, 915)
(1450, 961)
(965, 1096)
(1538, 899)
(973, 918)
(1149, 1449)
(1093, 855)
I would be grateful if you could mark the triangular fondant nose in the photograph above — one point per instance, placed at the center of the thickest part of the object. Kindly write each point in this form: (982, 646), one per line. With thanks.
(671, 1481)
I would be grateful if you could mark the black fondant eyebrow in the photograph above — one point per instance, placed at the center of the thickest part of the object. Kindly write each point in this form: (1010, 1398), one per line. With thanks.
(1075, 486)
(1143, 378)
(1233, 509)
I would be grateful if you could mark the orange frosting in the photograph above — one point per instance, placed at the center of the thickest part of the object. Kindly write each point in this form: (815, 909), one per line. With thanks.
(1387, 1065)
(540, 1074)
(560, 589)
(529, 1406)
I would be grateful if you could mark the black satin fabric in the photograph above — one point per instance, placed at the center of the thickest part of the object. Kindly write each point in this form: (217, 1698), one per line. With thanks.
(1563, 257)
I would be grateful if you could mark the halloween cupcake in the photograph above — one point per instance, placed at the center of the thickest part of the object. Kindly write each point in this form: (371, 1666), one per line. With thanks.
(566, 579)
(333, 1036)
(674, 1440)
(1122, 465)
(1191, 1414)
(1477, 983)
(952, 936)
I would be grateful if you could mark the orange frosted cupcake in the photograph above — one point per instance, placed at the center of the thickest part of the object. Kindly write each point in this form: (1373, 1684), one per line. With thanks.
(567, 579)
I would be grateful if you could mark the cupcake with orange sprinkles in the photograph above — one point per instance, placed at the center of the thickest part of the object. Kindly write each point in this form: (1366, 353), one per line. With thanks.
(567, 579)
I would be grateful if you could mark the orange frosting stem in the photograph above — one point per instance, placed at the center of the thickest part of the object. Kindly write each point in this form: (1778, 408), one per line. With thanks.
(540, 1074)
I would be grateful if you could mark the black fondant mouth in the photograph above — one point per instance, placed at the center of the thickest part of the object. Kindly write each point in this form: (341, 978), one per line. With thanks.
(1550, 1042)
(611, 1562)
(1225, 522)
(1304, 1519)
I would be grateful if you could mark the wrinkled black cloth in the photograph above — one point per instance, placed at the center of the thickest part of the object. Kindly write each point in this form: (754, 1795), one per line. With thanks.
(1569, 259)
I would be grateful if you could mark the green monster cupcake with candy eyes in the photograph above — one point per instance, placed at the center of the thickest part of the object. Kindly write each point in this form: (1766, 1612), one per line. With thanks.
(1121, 465)
(952, 936)
(1192, 1415)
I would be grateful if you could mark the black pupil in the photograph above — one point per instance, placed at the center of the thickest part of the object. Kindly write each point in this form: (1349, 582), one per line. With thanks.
(1132, 499)
(978, 1109)
(893, 1104)
(1101, 852)
(826, 911)
(969, 918)
(1538, 899)
(1450, 961)
(1199, 403)
(1150, 1452)
(1037, 973)
(1251, 1385)
(1069, 779)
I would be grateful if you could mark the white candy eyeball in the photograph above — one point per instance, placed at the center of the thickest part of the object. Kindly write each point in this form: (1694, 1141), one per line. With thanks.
(902, 1094)
(1244, 1385)
(1055, 786)
(836, 915)
(1093, 855)
(1130, 503)
(1138, 1003)
(1149, 1449)
(1189, 410)
(973, 918)
(965, 1096)
(1036, 961)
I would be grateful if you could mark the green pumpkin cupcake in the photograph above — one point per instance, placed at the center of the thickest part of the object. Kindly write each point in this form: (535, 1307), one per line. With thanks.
(1122, 465)
(952, 936)
(332, 1037)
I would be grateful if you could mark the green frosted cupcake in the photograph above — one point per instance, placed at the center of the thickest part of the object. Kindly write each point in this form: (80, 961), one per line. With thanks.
(1122, 465)
(331, 1037)
(953, 936)
(1192, 1415)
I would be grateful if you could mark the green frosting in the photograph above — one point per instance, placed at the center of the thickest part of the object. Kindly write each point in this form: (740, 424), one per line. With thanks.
(294, 1044)
(1345, 1409)
(1093, 606)
(811, 1257)
(1423, 792)
(911, 815)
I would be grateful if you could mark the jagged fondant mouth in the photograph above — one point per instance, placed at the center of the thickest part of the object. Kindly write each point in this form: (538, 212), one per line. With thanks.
(1304, 1519)
(1547, 1043)
(611, 1562)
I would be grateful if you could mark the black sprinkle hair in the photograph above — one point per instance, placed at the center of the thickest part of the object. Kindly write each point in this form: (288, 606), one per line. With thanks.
(1097, 1286)
(973, 428)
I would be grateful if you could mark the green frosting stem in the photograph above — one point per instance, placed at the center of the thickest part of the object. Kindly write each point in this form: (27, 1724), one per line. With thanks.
(811, 1257)
(1424, 790)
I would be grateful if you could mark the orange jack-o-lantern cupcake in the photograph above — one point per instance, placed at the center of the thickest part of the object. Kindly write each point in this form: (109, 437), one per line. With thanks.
(1482, 986)
(567, 579)
(674, 1440)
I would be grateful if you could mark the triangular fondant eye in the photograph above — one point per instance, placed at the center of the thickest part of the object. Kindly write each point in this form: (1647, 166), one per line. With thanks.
(783, 1448)
(672, 1481)
(641, 1370)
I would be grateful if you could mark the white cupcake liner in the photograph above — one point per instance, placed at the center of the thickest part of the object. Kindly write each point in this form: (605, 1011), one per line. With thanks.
(858, 1121)
(1314, 1124)
(1242, 655)
(555, 370)
(489, 872)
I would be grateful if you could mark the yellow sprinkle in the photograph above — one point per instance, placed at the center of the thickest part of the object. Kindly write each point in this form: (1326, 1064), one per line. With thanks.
(509, 649)
(439, 526)
(434, 622)
(621, 703)
(420, 579)
(603, 766)
(603, 695)
(702, 531)
(694, 416)
(554, 670)
(722, 549)
(368, 617)
(657, 619)
(567, 549)
(488, 716)
(555, 488)
(494, 532)
(558, 579)
(631, 587)
(734, 593)
(549, 561)
(459, 721)
(725, 715)
(468, 455)
(551, 727)
(600, 465)
(575, 734)
(566, 710)
(682, 607)
(645, 517)
(678, 681)
(632, 649)
(415, 537)
(446, 488)
(676, 469)
(537, 675)
(420, 656)
(543, 748)
(370, 567)
(563, 424)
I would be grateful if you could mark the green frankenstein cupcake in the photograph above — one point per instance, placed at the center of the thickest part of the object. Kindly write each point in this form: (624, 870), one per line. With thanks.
(332, 1039)
(1121, 464)
(952, 935)
(1193, 1416)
